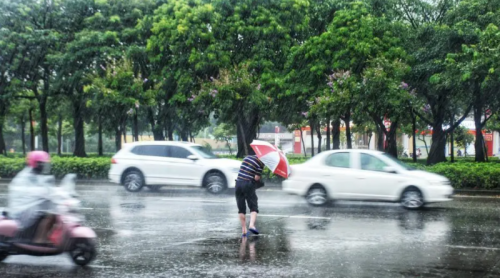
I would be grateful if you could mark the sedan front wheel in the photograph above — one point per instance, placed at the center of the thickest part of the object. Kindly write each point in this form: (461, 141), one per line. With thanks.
(412, 198)
(215, 183)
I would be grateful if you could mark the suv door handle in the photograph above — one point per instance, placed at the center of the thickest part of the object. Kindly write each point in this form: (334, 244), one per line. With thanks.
(360, 178)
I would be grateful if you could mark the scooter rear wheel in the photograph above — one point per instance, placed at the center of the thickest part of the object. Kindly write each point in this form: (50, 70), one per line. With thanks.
(3, 253)
(83, 251)
(3, 256)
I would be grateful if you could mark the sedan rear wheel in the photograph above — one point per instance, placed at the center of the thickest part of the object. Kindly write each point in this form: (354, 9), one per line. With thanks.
(412, 199)
(317, 196)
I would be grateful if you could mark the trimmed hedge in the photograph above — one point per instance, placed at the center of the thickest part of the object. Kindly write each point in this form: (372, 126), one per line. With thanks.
(463, 174)
(85, 168)
(467, 175)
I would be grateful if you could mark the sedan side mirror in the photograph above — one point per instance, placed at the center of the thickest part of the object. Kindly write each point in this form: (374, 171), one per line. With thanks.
(390, 170)
(192, 157)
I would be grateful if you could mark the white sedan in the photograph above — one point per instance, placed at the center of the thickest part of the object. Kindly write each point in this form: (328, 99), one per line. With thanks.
(366, 176)
(158, 163)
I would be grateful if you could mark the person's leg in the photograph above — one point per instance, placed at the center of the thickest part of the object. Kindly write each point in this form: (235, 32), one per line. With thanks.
(42, 232)
(243, 222)
(253, 218)
(242, 208)
(252, 201)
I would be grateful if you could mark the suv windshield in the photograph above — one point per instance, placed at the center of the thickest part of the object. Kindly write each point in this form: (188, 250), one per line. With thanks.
(409, 168)
(204, 152)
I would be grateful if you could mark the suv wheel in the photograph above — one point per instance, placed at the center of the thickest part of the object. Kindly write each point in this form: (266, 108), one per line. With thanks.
(215, 183)
(133, 181)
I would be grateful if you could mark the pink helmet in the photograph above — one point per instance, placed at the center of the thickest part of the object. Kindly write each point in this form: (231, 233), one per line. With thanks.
(34, 158)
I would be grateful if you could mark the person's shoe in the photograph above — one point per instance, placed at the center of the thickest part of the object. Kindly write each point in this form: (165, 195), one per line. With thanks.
(254, 231)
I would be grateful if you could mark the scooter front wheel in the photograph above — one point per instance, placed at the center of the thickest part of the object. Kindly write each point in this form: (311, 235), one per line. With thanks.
(83, 251)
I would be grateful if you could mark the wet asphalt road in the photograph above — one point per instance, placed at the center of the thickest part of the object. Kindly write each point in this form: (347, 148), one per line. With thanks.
(188, 233)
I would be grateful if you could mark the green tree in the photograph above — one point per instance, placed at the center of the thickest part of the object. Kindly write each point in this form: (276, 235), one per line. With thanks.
(118, 93)
(477, 65)
(225, 133)
(463, 138)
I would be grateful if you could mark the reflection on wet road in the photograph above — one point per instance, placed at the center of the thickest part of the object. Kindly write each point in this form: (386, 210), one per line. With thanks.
(187, 233)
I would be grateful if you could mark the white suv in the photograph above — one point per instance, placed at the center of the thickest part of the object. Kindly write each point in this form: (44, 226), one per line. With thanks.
(157, 163)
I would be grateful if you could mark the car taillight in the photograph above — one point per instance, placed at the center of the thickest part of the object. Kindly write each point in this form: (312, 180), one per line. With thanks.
(113, 161)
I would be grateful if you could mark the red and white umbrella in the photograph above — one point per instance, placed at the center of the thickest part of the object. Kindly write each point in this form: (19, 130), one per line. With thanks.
(272, 157)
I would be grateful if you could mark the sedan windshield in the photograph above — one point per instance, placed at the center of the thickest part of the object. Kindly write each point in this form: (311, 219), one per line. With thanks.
(409, 168)
(204, 152)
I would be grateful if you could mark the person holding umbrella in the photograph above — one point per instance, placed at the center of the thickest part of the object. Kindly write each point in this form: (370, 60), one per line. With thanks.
(249, 179)
(250, 173)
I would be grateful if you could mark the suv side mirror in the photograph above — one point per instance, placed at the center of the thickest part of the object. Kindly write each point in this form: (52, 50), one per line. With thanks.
(391, 170)
(192, 157)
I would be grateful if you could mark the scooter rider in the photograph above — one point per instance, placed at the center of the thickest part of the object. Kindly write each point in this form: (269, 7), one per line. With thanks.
(29, 198)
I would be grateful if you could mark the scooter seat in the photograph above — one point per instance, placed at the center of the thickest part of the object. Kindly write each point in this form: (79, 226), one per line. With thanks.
(48, 245)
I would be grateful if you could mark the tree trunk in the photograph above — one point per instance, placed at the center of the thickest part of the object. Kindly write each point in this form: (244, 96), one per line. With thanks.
(99, 138)
(183, 133)
(124, 131)
(23, 135)
(170, 133)
(32, 130)
(438, 146)
(118, 139)
(478, 144)
(79, 126)
(242, 144)
(156, 127)
(347, 120)
(311, 126)
(228, 144)
(246, 136)
(336, 134)
(392, 144)
(380, 139)
(425, 144)
(3, 149)
(3, 112)
(485, 150)
(414, 138)
(328, 143)
(452, 139)
(169, 129)
(136, 127)
(59, 135)
(42, 105)
(318, 132)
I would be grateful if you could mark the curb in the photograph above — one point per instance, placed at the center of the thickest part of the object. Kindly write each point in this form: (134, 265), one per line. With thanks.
(472, 192)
